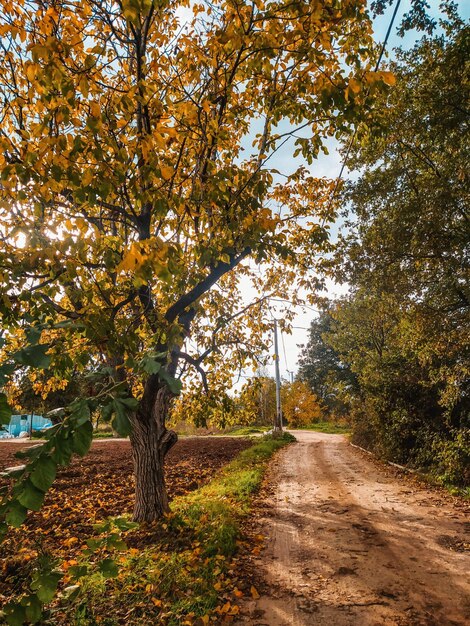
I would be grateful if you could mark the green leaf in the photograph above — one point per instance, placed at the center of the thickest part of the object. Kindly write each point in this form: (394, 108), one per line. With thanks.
(82, 438)
(130, 403)
(34, 356)
(49, 433)
(115, 541)
(15, 615)
(123, 523)
(45, 586)
(33, 607)
(33, 335)
(63, 450)
(150, 365)
(94, 544)
(174, 384)
(108, 568)
(43, 473)
(5, 411)
(121, 421)
(107, 411)
(3, 532)
(78, 571)
(80, 411)
(5, 370)
(30, 497)
(16, 514)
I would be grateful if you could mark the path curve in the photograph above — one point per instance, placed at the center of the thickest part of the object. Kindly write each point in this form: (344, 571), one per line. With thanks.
(350, 544)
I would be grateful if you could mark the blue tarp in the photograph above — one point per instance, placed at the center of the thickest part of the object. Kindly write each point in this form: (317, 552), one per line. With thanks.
(24, 424)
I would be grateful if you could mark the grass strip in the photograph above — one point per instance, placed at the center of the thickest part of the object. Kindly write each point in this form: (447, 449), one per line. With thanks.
(246, 431)
(328, 427)
(183, 576)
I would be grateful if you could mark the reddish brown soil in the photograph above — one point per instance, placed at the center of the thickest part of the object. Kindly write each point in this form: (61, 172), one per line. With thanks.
(98, 486)
(351, 543)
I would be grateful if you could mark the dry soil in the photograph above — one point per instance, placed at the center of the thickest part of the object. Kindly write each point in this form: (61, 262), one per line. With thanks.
(350, 543)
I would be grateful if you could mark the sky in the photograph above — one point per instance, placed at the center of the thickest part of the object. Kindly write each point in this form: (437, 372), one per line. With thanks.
(330, 166)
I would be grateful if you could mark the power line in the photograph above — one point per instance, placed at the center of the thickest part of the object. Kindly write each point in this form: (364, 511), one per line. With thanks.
(303, 305)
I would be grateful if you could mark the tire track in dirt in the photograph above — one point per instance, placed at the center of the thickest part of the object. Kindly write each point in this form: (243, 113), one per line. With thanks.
(348, 544)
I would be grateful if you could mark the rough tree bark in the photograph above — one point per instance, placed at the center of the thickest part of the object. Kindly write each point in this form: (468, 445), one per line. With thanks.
(151, 441)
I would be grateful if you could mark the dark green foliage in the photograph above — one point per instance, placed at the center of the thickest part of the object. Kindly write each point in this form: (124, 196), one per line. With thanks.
(403, 328)
(320, 366)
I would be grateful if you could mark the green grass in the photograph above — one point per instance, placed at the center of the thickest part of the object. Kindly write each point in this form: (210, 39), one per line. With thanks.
(103, 435)
(185, 571)
(246, 431)
(329, 428)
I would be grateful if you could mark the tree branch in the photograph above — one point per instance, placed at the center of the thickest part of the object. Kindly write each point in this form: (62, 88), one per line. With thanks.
(201, 288)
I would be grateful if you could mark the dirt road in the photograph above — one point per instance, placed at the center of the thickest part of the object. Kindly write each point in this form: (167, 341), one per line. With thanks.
(350, 543)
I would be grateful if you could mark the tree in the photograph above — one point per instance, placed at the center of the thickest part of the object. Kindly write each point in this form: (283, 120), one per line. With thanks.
(403, 330)
(320, 366)
(204, 409)
(257, 400)
(132, 202)
(36, 392)
(300, 407)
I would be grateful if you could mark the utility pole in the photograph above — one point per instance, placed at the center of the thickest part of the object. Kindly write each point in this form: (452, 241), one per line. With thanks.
(278, 418)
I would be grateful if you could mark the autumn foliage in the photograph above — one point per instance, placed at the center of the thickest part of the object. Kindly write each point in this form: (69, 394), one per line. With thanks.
(300, 406)
(138, 192)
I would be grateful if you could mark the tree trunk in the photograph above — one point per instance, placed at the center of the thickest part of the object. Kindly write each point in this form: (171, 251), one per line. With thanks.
(150, 441)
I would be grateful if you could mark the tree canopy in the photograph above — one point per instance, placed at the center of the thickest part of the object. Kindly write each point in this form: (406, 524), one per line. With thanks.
(403, 328)
(138, 189)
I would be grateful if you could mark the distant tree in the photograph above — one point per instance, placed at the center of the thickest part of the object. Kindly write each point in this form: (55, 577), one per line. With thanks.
(257, 401)
(201, 408)
(36, 393)
(321, 367)
(300, 407)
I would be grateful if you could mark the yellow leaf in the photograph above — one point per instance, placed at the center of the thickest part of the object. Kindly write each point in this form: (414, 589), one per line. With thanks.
(131, 260)
(83, 86)
(254, 593)
(354, 85)
(87, 177)
(31, 71)
(167, 172)
(95, 109)
(226, 608)
(389, 78)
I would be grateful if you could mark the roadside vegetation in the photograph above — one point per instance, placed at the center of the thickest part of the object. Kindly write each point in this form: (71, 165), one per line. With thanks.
(331, 428)
(393, 355)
